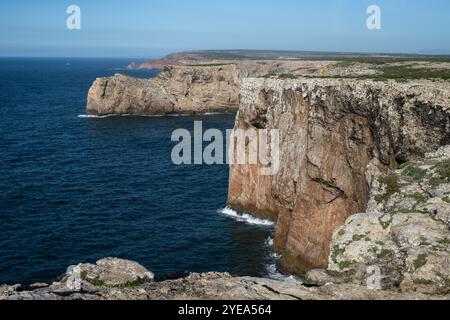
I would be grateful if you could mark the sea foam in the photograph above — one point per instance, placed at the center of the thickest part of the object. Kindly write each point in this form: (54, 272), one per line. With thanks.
(245, 217)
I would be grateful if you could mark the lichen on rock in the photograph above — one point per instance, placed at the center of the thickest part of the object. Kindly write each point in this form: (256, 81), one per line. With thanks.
(406, 232)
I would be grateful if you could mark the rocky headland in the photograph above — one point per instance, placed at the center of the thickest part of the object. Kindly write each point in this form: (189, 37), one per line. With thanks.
(336, 137)
(177, 90)
(363, 188)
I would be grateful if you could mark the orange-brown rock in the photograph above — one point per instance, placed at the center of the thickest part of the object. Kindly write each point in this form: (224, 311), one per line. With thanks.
(335, 135)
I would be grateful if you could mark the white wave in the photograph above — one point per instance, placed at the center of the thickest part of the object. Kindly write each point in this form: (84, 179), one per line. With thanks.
(274, 274)
(94, 116)
(269, 242)
(245, 217)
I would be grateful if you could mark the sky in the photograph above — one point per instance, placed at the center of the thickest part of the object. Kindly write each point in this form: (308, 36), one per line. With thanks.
(153, 28)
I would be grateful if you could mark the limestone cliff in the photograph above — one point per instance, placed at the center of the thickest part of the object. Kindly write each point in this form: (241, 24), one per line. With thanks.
(335, 137)
(405, 232)
(186, 86)
(178, 89)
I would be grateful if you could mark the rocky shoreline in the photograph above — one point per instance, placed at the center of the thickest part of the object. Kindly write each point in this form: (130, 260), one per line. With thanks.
(117, 279)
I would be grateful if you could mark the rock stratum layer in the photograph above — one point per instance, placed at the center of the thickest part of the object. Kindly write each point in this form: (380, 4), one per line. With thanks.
(177, 90)
(336, 137)
(186, 87)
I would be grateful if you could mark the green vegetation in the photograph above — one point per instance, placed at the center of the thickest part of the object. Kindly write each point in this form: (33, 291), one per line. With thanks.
(420, 261)
(385, 224)
(424, 241)
(442, 170)
(345, 264)
(420, 198)
(337, 250)
(208, 65)
(392, 186)
(269, 75)
(136, 283)
(445, 241)
(384, 253)
(335, 274)
(341, 232)
(406, 72)
(358, 237)
(422, 282)
(98, 283)
(413, 173)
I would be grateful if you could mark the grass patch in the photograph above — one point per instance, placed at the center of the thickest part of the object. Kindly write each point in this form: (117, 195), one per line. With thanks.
(83, 274)
(392, 186)
(444, 241)
(385, 224)
(414, 174)
(405, 72)
(345, 264)
(358, 237)
(384, 253)
(136, 283)
(442, 170)
(424, 241)
(420, 261)
(420, 198)
(337, 250)
(98, 283)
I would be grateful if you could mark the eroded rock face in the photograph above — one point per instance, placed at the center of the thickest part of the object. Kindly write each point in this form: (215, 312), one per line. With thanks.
(336, 137)
(178, 89)
(405, 231)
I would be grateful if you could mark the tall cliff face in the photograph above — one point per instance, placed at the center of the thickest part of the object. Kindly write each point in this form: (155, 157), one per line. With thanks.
(178, 89)
(335, 136)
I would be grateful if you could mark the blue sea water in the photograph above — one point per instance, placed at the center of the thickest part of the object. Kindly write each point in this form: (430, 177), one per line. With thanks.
(76, 189)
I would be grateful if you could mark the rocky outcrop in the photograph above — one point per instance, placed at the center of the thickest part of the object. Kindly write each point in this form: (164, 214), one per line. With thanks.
(207, 286)
(108, 272)
(186, 87)
(336, 136)
(178, 89)
(405, 232)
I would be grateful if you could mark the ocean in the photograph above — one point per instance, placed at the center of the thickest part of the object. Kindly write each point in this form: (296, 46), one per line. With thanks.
(76, 189)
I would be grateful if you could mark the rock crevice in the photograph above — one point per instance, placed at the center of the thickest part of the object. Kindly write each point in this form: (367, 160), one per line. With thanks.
(335, 137)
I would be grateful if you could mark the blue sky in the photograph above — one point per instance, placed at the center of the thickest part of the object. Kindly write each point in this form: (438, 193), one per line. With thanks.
(139, 28)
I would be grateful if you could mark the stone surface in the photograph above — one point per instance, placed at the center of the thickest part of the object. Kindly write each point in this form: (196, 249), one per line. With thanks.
(336, 137)
(405, 231)
(210, 286)
(106, 272)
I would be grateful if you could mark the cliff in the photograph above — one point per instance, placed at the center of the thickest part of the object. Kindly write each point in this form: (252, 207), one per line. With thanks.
(186, 86)
(178, 89)
(336, 137)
